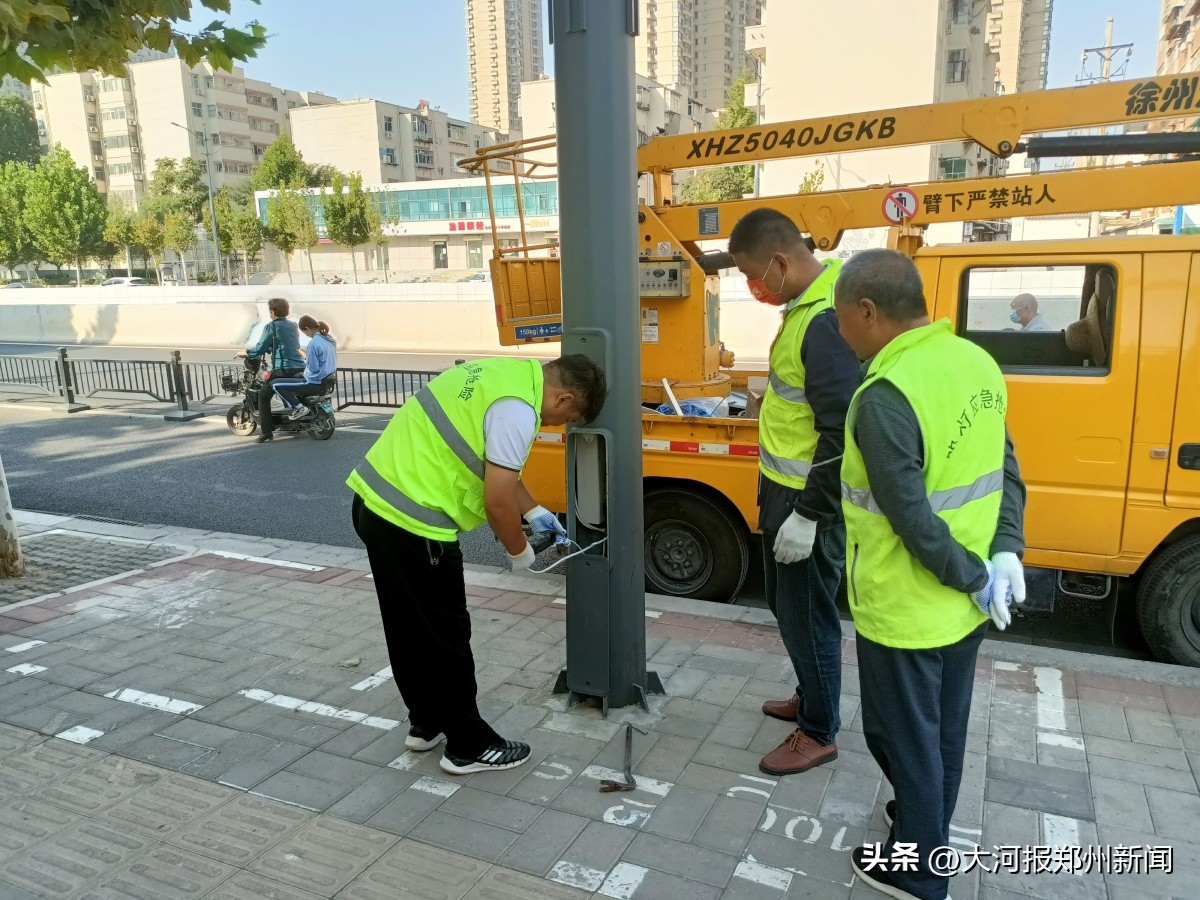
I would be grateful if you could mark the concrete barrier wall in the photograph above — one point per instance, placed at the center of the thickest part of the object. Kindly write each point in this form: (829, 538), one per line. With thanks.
(396, 318)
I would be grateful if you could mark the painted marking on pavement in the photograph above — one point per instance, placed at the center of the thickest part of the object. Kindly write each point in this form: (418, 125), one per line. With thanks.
(154, 701)
(405, 761)
(26, 669)
(21, 648)
(767, 876)
(1060, 831)
(265, 560)
(435, 786)
(650, 613)
(622, 881)
(270, 797)
(373, 681)
(320, 709)
(79, 734)
(1060, 740)
(1005, 666)
(622, 814)
(649, 785)
(1051, 710)
(575, 875)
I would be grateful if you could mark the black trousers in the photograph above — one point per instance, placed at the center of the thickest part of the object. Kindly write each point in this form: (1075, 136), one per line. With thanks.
(264, 398)
(915, 706)
(423, 603)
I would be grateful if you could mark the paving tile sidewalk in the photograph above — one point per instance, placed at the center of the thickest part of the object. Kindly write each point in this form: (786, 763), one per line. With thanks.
(223, 724)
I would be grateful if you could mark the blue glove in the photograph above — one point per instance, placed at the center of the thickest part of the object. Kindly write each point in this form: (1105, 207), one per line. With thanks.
(541, 520)
(994, 597)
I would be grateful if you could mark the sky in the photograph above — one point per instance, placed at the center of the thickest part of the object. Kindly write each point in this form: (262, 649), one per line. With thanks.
(402, 51)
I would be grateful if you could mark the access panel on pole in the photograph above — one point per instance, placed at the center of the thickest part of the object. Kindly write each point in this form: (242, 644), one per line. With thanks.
(597, 190)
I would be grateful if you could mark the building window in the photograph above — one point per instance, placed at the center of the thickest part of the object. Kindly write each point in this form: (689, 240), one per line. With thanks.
(199, 137)
(952, 167)
(212, 110)
(423, 158)
(197, 109)
(99, 173)
(388, 155)
(97, 149)
(116, 141)
(216, 138)
(387, 126)
(208, 82)
(956, 67)
(960, 11)
(109, 115)
(122, 169)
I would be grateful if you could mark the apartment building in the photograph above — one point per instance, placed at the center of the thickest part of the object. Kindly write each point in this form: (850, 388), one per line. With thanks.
(118, 126)
(1019, 32)
(1179, 44)
(504, 48)
(940, 49)
(695, 47)
(388, 143)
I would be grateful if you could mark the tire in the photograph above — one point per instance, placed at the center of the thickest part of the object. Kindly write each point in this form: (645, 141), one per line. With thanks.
(694, 547)
(323, 426)
(1168, 603)
(240, 421)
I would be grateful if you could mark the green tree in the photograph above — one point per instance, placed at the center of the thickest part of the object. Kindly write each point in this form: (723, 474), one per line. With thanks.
(282, 166)
(179, 234)
(64, 211)
(76, 35)
(321, 175)
(811, 183)
(379, 238)
(18, 131)
(247, 235)
(119, 231)
(16, 241)
(287, 213)
(347, 218)
(725, 182)
(148, 235)
(223, 203)
(176, 186)
(305, 229)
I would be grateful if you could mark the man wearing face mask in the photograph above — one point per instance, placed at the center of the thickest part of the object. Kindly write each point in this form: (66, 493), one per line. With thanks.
(1023, 311)
(801, 428)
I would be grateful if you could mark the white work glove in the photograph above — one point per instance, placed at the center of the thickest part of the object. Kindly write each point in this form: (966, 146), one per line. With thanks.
(795, 539)
(991, 602)
(541, 520)
(522, 560)
(1010, 576)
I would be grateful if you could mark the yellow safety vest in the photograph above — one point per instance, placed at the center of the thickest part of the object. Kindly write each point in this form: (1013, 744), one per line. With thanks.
(425, 473)
(959, 397)
(787, 435)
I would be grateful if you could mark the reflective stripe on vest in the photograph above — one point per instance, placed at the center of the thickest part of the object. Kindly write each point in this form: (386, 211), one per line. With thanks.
(448, 433)
(393, 497)
(794, 468)
(939, 501)
(786, 391)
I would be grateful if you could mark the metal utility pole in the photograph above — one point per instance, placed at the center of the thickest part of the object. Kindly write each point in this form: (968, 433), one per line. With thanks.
(212, 211)
(597, 190)
(1107, 54)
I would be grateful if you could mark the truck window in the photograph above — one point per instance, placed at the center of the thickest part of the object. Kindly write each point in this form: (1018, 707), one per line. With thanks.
(1041, 317)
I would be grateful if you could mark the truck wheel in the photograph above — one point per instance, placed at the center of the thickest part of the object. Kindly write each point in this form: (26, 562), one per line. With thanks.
(694, 547)
(1168, 604)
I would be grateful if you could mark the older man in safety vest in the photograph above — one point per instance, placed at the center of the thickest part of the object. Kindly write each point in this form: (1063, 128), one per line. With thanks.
(451, 459)
(934, 506)
(800, 432)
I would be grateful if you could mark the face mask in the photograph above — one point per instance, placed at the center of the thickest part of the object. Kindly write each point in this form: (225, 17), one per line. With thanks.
(1013, 316)
(762, 293)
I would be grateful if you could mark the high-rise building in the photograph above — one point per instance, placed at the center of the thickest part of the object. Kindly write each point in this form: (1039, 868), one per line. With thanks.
(946, 56)
(504, 48)
(117, 127)
(695, 47)
(1019, 32)
(1179, 40)
(387, 143)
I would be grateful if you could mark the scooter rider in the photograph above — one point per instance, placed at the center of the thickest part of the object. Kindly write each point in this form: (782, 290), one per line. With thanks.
(282, 338)
(320, 368)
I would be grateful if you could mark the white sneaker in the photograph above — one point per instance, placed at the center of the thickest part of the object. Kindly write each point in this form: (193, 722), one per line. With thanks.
(420, 740)
(499, 756)
(298, 412)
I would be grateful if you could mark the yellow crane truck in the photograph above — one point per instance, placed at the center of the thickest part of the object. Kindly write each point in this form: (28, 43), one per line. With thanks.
(1104, 393)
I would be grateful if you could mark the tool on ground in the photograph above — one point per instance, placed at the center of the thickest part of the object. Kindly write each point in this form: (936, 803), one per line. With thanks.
(610, 785)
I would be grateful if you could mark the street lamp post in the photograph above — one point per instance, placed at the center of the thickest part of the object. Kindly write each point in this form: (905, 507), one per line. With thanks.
(212, 209)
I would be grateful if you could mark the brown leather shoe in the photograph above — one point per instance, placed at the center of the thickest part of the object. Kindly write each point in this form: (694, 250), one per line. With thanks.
(783, 709)
(798, 753)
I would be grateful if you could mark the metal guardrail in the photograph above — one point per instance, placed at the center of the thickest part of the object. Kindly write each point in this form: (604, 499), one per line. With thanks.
(181, 383)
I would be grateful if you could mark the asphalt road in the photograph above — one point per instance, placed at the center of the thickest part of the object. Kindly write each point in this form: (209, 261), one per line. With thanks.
(135, 467)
